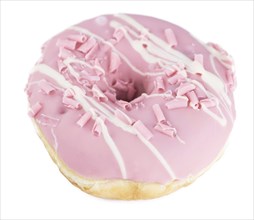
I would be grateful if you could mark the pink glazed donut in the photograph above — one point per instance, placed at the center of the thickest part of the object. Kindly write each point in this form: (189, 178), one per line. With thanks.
(132, 107)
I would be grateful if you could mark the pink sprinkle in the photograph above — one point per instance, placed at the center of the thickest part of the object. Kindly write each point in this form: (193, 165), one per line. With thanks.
(84, 119)
(170, 36)
(61, 66)
(184, 88)
(143, 130)
(34, 109)
(170, 71)
(115, 62)
(46, 87)
(92, 53)
(69, 93)
(65, 43)
(81, 38)
(179, 76)
(178, 102)
(85, 83)
(123, 117)
(97, 93)
(200, 93)
(88, 45)
(159, 84)
(97, 63)
(209, 102)
(65, 53)
(165, 129)
(158, 113)
(118, 35)
(199, 58)
(96, 130)
(120, 85)
(71, 103)
(194, 102)
(126, 105)
(110, 95)
(173, 69)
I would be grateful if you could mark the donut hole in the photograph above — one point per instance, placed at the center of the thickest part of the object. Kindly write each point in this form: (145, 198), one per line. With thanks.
(128, 91)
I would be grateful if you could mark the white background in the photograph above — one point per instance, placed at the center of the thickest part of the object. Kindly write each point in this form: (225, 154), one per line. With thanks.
(31, 185)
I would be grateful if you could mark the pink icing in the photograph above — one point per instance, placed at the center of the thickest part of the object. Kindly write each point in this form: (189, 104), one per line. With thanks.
(144, 115)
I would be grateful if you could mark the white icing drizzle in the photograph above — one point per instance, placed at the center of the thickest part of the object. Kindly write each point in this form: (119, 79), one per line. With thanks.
(226, 107)
(219, 56)
(47, 120)
(70, 60)
(109, 115)
(138, 46)
(211, 57)
(222, 120)
(85, 100)
(158, 155)
(112, 147)
(55, 139)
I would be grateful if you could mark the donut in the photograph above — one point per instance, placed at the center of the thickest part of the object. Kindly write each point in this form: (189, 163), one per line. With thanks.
(131, 107)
